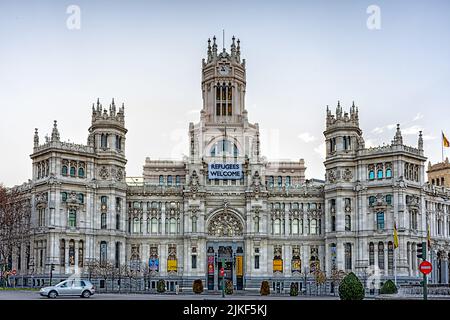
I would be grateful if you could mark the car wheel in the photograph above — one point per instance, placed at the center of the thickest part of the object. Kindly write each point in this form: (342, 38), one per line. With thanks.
(52, 294)
(86, 294)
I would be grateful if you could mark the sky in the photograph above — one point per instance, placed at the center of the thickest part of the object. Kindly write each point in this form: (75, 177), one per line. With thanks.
(301, 56)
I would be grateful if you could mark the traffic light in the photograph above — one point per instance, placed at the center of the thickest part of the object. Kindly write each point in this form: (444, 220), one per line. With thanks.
(53, 267)
(422, 250)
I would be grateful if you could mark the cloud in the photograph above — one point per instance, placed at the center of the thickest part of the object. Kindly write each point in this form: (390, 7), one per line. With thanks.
(320, 149)
(418, 116)
(370, 143)
(412, 130)
(307, 137)
(428, 137)
(379, 130)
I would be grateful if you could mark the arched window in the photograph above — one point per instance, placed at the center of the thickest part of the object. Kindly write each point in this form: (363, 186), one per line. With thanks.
(64, 170)
(72, 218)
(72, 171)
(372, 200)
(161, 180)
(277, 226)
(173, 225)
(154, 223)
(388, 173)
(333, 223)
(348, 223)
(381, 255)
(380, 174)
(117, 255)
(280, 181)
(235, 151)
(103, 252)
(103, 220)
(371, 254)
(81, 198)
(63, 196)
(169, 180)
(295, 226)
(390, 256)
(371, 175)
(380, 220)
(389, 199)
(300, 227)
(288, 181)
(177, 180)
(348, 256)
(271, 181)
(194, 224)
(136, 225)
(80, 253)
(62, 253)
(117, 221)
(313, 227)
(81, 172)
(72, 252)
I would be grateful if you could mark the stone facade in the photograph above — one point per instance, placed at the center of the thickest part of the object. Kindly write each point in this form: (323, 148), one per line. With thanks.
(177, 224)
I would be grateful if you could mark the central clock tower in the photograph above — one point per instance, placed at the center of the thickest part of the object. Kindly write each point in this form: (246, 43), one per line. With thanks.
(223, 85)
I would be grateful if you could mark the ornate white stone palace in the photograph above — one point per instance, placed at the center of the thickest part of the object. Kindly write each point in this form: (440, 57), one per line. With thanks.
(175, 223)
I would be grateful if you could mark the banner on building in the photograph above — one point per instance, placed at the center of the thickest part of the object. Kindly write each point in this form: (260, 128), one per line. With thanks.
(210, 264)
(277, 265)
(296, 265)
(239, 266)
(171, 265)
(225, 171)
(153, 264)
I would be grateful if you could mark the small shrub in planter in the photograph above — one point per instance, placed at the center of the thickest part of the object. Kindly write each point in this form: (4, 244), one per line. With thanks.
(351, 288)
(265, 288)
(294, 289)
(161, 286)
(228, 287)
(197, 286)
(388, 287)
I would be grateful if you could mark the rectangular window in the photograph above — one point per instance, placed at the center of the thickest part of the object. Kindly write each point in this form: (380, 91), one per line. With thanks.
(218, 109)
(380, 220)
(256, 262)
(194, 261)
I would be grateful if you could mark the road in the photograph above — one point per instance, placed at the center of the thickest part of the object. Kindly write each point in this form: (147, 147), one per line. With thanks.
(34, 295)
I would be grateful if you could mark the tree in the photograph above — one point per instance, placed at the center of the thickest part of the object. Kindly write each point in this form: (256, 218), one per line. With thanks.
(197, 286)
(15, 225)
(389, 287)
(161, 286)
(294, 289)
(320, 278)
(336, 277)
(265, 288)
(351, 288)
(105, 271)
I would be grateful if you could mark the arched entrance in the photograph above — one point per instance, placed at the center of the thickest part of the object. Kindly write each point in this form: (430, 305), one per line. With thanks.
(225, 249)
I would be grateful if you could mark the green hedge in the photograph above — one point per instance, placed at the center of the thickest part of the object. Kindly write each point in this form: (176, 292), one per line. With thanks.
(388, 287)
(351, 288)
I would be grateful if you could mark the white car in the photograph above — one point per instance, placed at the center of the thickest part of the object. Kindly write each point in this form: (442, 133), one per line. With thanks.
(73, 287)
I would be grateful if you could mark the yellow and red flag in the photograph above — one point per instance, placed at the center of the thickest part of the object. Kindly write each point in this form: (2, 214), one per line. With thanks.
(445, 141)
(395, 236)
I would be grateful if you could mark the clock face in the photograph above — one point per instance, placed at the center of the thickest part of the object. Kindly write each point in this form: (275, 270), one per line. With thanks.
(224, 70)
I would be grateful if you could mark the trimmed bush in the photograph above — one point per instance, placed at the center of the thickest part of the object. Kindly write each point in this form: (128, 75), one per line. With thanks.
(228, 287)
(161, 286)
(294, 289)
(265, 288)
(197, 286)
(351, 288)
(388, 287)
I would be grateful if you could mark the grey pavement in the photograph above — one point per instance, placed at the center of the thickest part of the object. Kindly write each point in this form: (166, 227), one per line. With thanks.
(34, 295)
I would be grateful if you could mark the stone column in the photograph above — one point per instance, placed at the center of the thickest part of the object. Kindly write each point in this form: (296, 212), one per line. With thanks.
(76, 257)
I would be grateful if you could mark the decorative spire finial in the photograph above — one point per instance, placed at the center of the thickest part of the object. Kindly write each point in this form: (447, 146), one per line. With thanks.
(36, 138)
(55, 133)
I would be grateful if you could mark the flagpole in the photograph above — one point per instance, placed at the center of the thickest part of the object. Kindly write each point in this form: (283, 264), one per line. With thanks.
(442, 144)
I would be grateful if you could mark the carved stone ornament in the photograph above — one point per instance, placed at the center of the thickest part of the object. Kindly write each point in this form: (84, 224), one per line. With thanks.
(347, 175)
(103, 173)
(225, 224)
(119, 175)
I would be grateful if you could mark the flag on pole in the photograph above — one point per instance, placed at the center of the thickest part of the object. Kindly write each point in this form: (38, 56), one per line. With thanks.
(395, 236)
(428, 237)
(445, 141)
